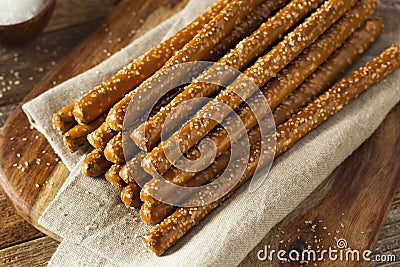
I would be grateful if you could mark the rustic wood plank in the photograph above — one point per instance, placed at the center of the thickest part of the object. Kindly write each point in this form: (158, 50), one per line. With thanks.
(5, 112)
(22, 67)
(18, 76)
(69, 13)
(16, 230)
(13, 229)
(33, 253)
(351, 204)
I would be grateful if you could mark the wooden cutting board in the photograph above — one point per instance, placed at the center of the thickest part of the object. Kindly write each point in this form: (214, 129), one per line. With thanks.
(361, 188)
(30, 186)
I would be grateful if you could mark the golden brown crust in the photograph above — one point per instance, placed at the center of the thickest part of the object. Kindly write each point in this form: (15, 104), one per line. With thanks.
(170, 230)
(147, 135)
(165, 234)
(95, 164)
(153, 213)
(103, 97)
(125, 174)
(100, 137)
(132, 171)
(116, 149)
(76, 138)
(63, 120)
(245, 28)
(112, 175)
(335, 98)
(326, 75)
(201, 44)
(130, 195)
(263, 70)
(180, 177)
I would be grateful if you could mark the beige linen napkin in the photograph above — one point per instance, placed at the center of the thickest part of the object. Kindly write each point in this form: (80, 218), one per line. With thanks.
(99, 231)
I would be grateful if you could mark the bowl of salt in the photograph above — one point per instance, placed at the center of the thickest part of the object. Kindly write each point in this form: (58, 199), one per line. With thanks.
(23, 20)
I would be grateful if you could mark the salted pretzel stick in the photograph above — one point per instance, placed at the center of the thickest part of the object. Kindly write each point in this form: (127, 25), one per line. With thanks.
(147, 135)
(63, 120)
(101, 136)
(181, 177)
(128, 195)
(201, 44)
(76, 138)
(318, 82)
(262, 71)
(112, 175)
(132, 170)
(95, 164)
(153, 211)
(274, 30)
(131, 194)
(165, 234)
(335, 98)
(246, 27)
(114, 150)
(333, 38)
(103, 97)
(125, 172)
(326, 74)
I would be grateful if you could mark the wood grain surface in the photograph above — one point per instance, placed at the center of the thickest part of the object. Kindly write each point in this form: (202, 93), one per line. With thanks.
(22, 68)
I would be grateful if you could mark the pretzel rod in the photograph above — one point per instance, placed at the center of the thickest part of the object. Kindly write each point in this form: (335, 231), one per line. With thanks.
(147, 135)
(165, 234)
(133, 169)
(95, 164)
(246, 27)
(114, 153)
(264, 68)
(181, 177)
(105, 138)
(321, 79)
(299, 70)
(336, 97)
(171, 229)
(318, 82)
(127, 173)
(128, 195)
(63, 120)
(103, 97)
(195, 50)
(112, 175)
(326, 74)
(153, 211)
(114, 150)
(76, 138)
(100, 137)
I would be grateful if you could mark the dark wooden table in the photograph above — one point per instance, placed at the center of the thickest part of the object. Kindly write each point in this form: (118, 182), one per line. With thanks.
(22, 67)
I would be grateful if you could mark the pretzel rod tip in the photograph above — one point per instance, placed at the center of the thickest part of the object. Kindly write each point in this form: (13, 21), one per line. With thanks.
(130, 195)
(95, 164)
